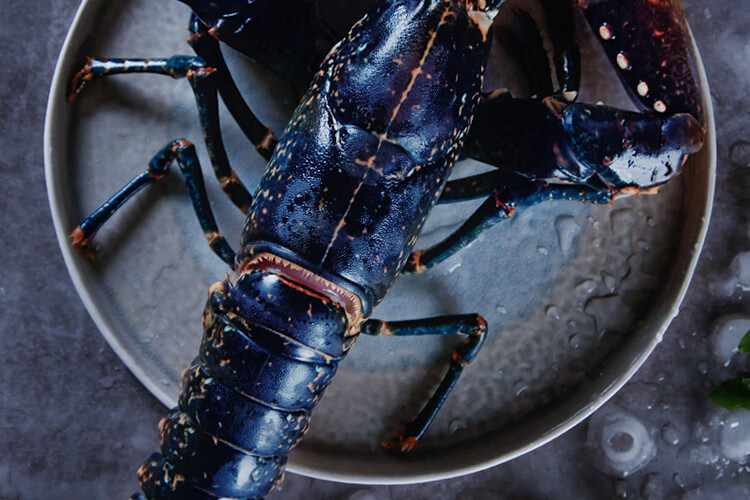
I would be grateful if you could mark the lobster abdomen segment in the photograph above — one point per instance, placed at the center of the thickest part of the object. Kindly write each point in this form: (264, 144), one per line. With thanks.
(246, 360)
(225, 413)
(269, 350)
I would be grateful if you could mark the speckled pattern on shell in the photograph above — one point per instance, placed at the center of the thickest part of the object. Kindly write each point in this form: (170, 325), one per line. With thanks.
(367, 153)
(646, 42)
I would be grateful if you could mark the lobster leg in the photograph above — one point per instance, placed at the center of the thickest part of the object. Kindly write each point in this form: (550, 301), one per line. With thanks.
(207, 48)
(204, 80)
(523, 39)
(505, 197)
(489, 213)
(472, 325)
(472, 187)
(184, 153)
(286, 36)
(566, 54)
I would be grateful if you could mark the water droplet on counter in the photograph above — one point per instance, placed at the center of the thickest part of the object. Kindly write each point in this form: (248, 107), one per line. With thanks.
(542, 250)
(587, 286)
(739, 154)
(723, 286)
(741, 267)
(519, 386)
(456, 425)
(660, 377)
(700, 453)
(653, 487)
(670, 434)
(681, 344)
(500, 309)
(567, 230)
(596, 242)
(702, 367)
(737, 275)
(727, 334)
(621, 441)
(651, 222)
(734, 439)
(707, 12)
(108, 381)
(371, 494)
(574, 340)
(678, 480)
(552, 312)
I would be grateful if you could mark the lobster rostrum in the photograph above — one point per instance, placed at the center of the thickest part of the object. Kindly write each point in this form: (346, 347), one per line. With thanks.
(349, 185)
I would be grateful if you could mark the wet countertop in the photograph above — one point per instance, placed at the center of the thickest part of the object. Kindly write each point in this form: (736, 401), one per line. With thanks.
(64, 394)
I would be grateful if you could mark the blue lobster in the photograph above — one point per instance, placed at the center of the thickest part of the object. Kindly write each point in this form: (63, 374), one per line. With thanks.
(349, 184)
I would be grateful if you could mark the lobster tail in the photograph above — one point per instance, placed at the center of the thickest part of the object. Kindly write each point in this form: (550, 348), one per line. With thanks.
(270, 348)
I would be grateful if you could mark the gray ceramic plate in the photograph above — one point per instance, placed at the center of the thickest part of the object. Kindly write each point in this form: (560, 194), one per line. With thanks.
(576, 296)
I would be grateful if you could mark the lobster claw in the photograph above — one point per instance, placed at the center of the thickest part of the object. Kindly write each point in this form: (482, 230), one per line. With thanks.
(599, 146)
(629, 152)
(648, 43)
(555, 140)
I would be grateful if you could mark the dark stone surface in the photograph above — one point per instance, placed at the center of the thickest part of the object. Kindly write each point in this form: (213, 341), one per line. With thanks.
(67, 425)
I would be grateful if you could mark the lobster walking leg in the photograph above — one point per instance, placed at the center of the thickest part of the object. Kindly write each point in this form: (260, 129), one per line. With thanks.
(253, 27)
(523, 40)
(472, 325)
(472, 187)
(489, 213)
(184, 153)
(566, 55)
(207, 48)
(204, 81)
(500, 205)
